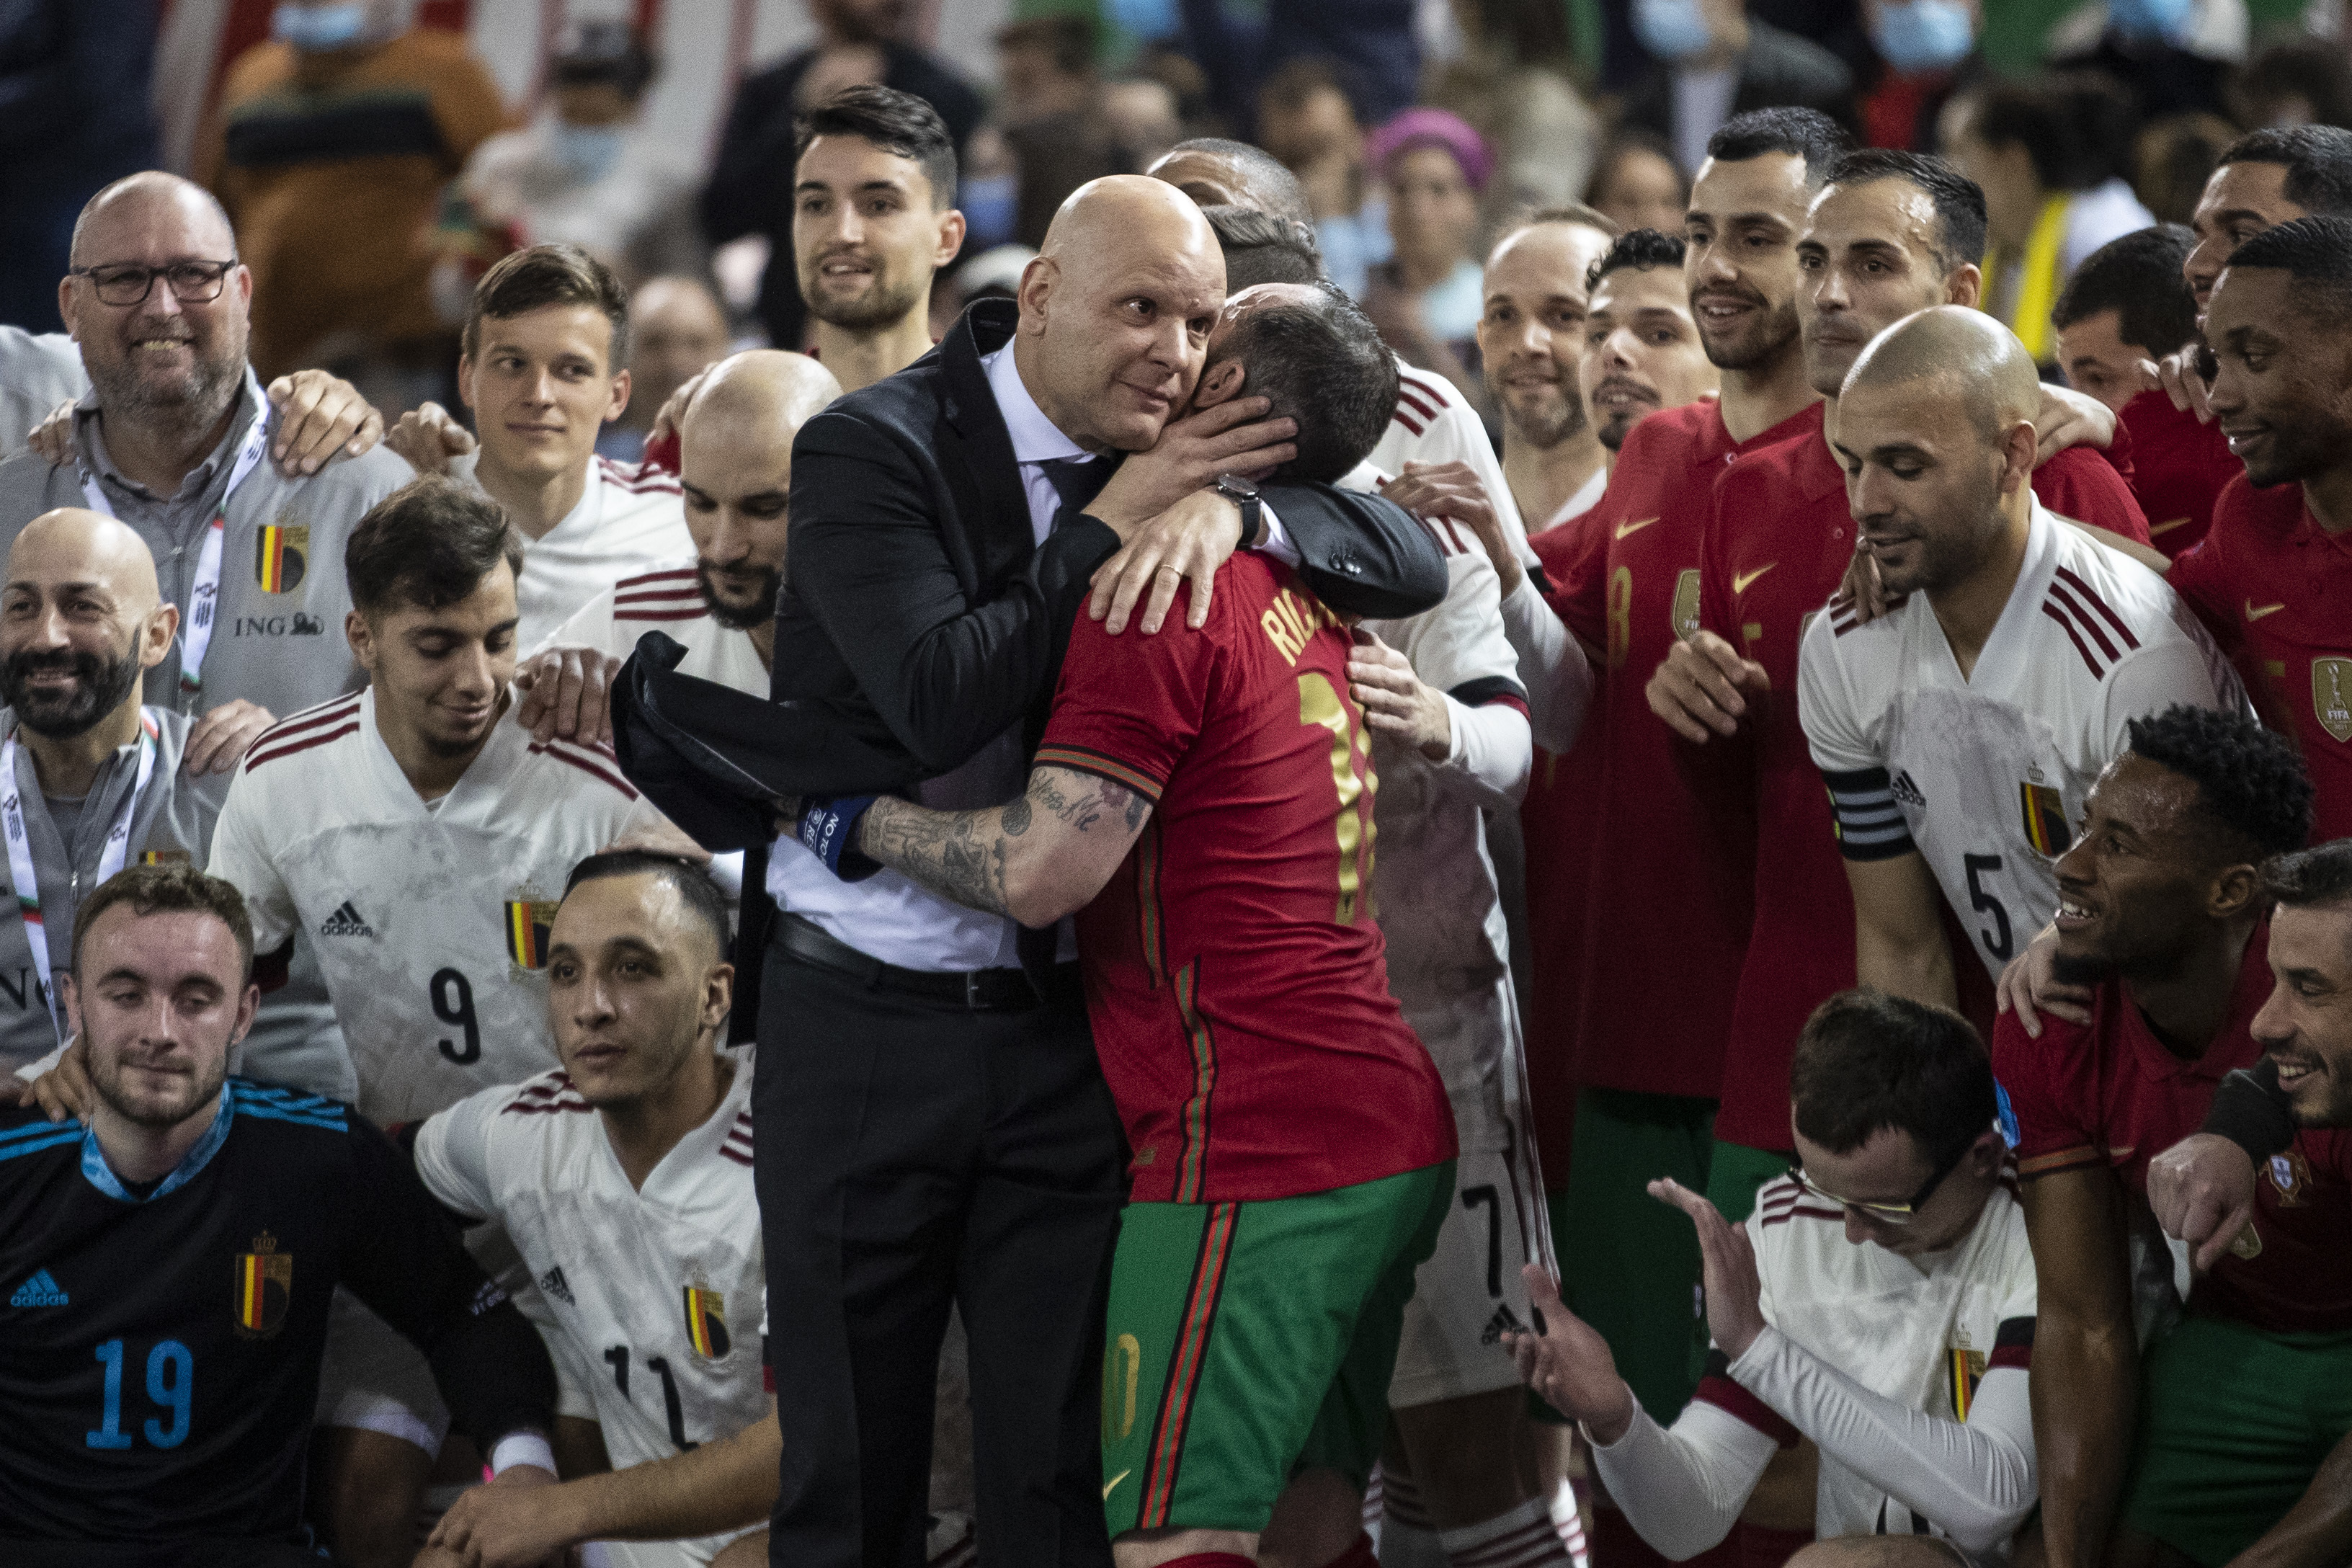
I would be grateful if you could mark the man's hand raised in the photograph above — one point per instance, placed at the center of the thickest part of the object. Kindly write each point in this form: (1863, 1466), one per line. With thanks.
(1568, 1364)
(1735, 1290)
(1701, 688)
(1185, 543)
(1234, 438)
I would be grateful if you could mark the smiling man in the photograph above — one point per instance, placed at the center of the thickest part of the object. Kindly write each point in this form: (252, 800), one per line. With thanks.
(421, 836)
(2161, 911)
(1530, 342)
(1642, 350)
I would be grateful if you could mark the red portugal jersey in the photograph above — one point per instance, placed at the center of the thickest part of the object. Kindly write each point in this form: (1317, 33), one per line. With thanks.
(2272, 586)
(1775, 549)
(2109, 1093)
(2179, 468)
(1233, 964)
(1559, 830)
(1672, 857)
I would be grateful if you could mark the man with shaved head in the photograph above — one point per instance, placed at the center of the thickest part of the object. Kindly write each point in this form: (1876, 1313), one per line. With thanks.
(934, 1121)
(90, 776)
(1959, 734)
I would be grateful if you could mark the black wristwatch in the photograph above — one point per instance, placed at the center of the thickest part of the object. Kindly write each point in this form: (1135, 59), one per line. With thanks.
(1243, 494)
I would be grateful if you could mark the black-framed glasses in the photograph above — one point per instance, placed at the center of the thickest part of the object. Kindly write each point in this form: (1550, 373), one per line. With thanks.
(192, 282)
(1887, 1214)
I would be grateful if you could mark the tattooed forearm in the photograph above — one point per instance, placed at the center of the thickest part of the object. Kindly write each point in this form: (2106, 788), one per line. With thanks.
(958, 854)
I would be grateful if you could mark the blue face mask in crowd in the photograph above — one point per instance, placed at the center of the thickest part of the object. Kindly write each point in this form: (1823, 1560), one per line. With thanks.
(588, 151)
(2166, 19)
(991, 205)
(316, 29)
(1671, 29)
(1922, 35)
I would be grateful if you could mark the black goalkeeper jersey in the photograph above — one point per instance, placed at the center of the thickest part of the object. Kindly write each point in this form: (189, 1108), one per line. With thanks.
(159, 1352)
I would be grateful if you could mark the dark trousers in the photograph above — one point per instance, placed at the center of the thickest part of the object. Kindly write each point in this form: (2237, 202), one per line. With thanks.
(909, 1155)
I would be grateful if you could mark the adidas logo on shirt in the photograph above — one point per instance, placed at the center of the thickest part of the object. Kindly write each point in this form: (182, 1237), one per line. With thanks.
(40, 1290)
(346, 921)
(1504, 1321)
(1904, 790)
(552, 1284)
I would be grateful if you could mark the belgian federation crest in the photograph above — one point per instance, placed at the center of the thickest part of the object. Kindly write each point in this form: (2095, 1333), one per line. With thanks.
(706, 1322)
(1966, 1368)
(265, 1288)
(2329, 703)
(281, 554)
(527, 920)
(2045, 819)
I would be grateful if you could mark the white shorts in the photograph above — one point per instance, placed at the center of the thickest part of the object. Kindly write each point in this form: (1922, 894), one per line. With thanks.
(372, 1379)
(1468, 1291)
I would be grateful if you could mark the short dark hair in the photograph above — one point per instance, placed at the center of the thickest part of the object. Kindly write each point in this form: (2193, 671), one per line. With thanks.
(1264, 169)
(2139, 278)
(1323, 366)
(1959, 201)
(2074, 126)
(705, 905)
(427, 545)
(2318, 160)
(1866, 1061)
(172, 888)
(897, 123)
(1640, 247)
(1067, 38)
(2251, 783)
(1806, 134)
(2317, 252)
(2309, 878)
(1262, 248)
(539, 275)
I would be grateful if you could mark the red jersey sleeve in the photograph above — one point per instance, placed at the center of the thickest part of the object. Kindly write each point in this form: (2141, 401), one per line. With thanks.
(1130, 706)
(1575, 556)
(2082, 483)
(2046, 1129)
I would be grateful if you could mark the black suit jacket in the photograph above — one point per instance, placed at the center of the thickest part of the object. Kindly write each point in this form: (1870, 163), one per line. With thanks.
(920, 618)
(1779, 69)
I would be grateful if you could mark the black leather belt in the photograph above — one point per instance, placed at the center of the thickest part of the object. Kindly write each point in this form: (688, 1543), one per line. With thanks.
(976, 990)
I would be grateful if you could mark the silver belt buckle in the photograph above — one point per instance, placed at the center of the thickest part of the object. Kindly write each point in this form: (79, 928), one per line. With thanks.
(971, 990)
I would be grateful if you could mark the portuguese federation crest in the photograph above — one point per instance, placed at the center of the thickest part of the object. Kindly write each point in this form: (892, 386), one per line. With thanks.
(265, 1288)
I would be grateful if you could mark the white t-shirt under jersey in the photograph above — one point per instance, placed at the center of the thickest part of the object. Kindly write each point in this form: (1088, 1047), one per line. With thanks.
(655, 1293)
(1986, 776)
(630, 518)
(430, 919)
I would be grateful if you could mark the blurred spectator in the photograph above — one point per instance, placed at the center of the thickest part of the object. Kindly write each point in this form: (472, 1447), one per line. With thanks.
(1715, 61)
(1512, 83)
(1636, 183)
(2126, 302)
(2176, 54)
(74, 115)
(1306, 119)
(989, 195)
(335, 143)
(677, 330)
(1925, 45)
(1140, 111)
(2296, 81)
(2173, 157)
(1428, 298)
(1052, 115)
(751, 188)
(1840, 27)
(2046, 155)
(1372, 40)
(589, 173)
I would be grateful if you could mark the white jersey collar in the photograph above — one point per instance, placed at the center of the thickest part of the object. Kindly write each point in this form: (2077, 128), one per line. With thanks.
(492, 766)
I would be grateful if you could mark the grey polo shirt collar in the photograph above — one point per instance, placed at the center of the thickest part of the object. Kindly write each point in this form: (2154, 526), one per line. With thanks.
(199, 494)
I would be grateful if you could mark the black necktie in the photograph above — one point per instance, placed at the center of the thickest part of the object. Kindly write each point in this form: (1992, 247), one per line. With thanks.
(1077, 480)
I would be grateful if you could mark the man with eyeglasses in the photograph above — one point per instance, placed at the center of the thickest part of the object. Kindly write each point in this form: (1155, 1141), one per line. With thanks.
(2200, 1429)
(1880, 1301)
(173, 440)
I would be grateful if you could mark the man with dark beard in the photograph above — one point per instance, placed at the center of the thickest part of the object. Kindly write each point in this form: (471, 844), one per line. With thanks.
(89, 777)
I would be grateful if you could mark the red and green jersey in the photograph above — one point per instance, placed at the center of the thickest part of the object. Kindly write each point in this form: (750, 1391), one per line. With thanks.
(1234, 967)
(2109, 1094)
(2273, 586)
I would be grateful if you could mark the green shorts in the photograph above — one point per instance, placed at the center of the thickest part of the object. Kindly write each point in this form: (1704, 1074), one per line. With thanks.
(1248, 1340)
(2233, 1422)
(1629, 1264)
(1736, 1174)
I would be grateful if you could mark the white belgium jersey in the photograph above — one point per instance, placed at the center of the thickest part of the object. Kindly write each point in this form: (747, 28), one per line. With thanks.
(665, 599)
(429, 919)
(629, 517)
(656, 1293)
(1986, 776)
(1433, 424)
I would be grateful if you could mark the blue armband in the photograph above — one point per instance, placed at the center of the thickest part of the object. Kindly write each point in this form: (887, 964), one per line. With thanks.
(828, 830)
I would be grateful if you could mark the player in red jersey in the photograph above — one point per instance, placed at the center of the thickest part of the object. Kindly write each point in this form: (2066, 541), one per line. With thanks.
(1892, 234)
(2269, 578)
(1204, 804)
(2160, 909)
